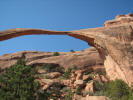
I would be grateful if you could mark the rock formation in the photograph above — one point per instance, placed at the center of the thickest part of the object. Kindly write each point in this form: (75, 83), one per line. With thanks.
(120, 19)
(85, 58)
(113, 42)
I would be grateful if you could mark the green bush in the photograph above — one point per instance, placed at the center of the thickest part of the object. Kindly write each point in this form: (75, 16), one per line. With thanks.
(91, 75)
(67, 74)
(55, 89)
(99, 86)
(44, 95)
(69, 95)
(99, 93)
(52, 68)
(47, 77)
(72, 50)
(130, 97)
(56, 54)
(74, 67)
(117, 90)
(78, 91)
(18, 82)
(65, 89)
(48, 67)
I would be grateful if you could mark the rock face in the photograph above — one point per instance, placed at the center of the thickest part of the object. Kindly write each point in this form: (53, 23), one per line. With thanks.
(60, 82)
(114, 43)
(120, 19)
(95, 98)
(88, 57)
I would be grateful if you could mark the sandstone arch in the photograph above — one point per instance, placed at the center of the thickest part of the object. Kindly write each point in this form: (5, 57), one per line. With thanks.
(114, 42)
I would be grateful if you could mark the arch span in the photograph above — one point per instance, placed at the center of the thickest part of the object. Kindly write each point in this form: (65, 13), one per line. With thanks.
(114, 43)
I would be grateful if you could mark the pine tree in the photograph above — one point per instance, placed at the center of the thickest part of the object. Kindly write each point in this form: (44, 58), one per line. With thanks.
(18, 82)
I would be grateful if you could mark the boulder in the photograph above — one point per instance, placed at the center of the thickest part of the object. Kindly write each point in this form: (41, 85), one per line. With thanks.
(104, 79)
(97, 78)
(89, 87)
(95, 98)
(77, 97)
(41, 71)
(78, 83)
(46, 83)
(85, 77)
(79, 76)
(54, 74)
(66, 82)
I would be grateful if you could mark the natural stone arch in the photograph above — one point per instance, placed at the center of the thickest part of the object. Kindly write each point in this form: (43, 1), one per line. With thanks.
(113, 42)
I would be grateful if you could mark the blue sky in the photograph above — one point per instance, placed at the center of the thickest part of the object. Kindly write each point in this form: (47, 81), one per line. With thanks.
(61, 15)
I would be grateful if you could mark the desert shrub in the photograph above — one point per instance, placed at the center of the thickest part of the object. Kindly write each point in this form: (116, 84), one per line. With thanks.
(91, 75)
(99, 86)
(130, 97)
(99, 93)
(60, 78)
(82, 50)
(44, 95)
(65, 89)
(59, 69)
(78, 90)
(48, 67)
(86, 93)
(125, 97)
(41, 75)
(56, 54)
(55, 89)
(72, 50)
(117, 90)
(74, 67)
(101, 73)
(47, 77)
(18, 82)
(69, 95)
(90, 71)
(52, 68)
(131, 93)
(67, 74)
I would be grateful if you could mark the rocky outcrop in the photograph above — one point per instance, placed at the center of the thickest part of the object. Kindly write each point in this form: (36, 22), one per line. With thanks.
(63, 82)
(114, 43)
(86, 58)
(95, 98)
(120, 19)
